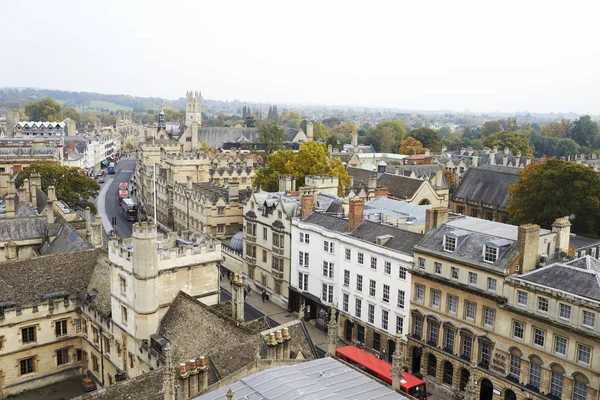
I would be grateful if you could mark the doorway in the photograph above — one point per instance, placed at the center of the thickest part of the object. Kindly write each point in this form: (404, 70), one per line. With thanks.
(391, 345)
(487, 390)
(348, 330)
(416, 359)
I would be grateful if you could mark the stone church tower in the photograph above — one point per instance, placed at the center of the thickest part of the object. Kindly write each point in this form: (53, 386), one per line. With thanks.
(193, 108)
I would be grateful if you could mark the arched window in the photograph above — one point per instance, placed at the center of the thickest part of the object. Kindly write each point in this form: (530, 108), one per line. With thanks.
(514, 371)
(556, 381)
(448, 373)
(431, 365)
(535, 372)
(464, 378)
(424, 202)
(509, 395)
(580, 383)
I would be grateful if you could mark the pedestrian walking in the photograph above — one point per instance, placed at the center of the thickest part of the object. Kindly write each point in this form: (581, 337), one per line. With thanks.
(249, 291)
(264, 295)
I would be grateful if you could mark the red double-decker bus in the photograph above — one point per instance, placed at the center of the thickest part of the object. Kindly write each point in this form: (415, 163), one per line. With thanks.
(374, 366)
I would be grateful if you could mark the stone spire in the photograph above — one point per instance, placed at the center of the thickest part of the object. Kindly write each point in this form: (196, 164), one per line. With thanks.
(162, 123)
(396, 365)
(169, 376)
(332, 332)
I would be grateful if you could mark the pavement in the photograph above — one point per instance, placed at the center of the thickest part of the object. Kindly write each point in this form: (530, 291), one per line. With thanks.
(256, 308)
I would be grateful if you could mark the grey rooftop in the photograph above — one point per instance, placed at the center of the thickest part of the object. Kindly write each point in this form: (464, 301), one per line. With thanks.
(324, 378)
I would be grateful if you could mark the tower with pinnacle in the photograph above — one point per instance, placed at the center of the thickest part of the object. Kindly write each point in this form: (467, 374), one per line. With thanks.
(193, 108)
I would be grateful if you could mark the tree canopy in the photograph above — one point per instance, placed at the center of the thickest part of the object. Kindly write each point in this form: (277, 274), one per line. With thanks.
(344, 131)
(411, 145)
(584, 131)
(271, 136)
(386, 136)
(516, 141)
(45, 109)
(430, 138)
(291, 119)
(73, 114)
(72, 185)
(554, 188)
(320, 132)
(311, 159)
(557, 129)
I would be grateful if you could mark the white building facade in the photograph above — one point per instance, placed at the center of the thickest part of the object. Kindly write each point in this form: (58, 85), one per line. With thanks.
(363, 271)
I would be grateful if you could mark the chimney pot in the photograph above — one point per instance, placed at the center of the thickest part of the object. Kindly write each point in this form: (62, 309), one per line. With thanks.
(202, 362)
(355, 216)
(192, 365)
(182, 369)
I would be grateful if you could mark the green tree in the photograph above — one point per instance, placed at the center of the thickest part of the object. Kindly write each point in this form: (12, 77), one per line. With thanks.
(291, 119)
(73, 114)
(584, 131)
(45, 109)
(172, 115)
(557, 129)
(268, 178)
(386, 135)
(516, 141)
(270, 137)
(71, 184)
(411, 145)
(489, 128)
(344, 131)
(553, 189)
(313, 159)
(320, 132)
(332, 140)
(445, 131)
(430, 138)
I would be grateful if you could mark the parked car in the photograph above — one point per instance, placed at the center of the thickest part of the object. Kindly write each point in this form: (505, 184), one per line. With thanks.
(88, 385)
(101, 179)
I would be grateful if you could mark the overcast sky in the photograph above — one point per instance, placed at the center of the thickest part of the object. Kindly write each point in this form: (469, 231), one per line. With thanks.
(478, 55)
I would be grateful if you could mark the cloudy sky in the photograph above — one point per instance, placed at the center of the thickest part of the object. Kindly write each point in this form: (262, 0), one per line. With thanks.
(430, 55)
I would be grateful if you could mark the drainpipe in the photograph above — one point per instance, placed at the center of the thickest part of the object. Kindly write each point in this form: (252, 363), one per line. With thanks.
(102, 353)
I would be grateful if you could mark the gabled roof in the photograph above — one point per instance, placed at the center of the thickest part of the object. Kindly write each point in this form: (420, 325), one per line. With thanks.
(335, 224)
(68, 240)
(580, 277)
(24, 282)
(400, 187)
(488, 184)
(195, 329)
(22, 228)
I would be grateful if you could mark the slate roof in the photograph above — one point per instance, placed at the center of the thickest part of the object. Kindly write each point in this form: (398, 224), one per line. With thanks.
(100, 281)
(330, 204)
(583, 277)
(581, 242)
(401, 240)
(335, 224)
(25, 281)
(148, 386)
(395, 209)
(195, 329)
(488, 184)
(324, 378)
(398, 186)
(22, 228)
(68, 240)
(472, 234)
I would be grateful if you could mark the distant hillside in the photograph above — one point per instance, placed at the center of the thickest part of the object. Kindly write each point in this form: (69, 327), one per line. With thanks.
(19, 97)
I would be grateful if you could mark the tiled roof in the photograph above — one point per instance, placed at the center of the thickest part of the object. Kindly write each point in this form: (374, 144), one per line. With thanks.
(68, 240)
(488, 184)
(148, 386)
(583, 277)
(24, 282)
(22, 228)
(329, 222)
(401, 240)
(399, 186)
(194, 329)
(580, 242)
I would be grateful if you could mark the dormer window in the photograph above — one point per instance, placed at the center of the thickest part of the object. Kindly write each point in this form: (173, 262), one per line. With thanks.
(490, 253)
(449, 243)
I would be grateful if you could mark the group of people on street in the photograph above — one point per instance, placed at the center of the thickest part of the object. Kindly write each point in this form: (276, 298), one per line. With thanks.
(247, 290)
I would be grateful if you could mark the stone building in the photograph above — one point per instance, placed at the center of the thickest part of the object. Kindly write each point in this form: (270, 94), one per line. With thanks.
(483, 192)
(373, 184)
(486, 319)
(18, 153)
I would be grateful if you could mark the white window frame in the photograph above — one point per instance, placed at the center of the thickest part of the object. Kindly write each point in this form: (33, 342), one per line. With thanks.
(386, 293)
(490, 254)
(401, 299)
(591, 315)
(449, 244)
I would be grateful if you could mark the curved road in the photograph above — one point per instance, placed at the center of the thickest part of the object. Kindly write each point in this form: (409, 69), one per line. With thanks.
(108, 199)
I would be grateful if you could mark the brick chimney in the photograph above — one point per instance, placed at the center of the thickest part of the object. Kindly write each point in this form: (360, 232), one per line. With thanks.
(355, 214)
(308, 201)
(434, 217)
(562, 228)
(528, 241)
(382, 192)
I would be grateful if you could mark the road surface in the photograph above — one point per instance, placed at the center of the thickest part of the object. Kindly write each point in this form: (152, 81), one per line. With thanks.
(108, 199)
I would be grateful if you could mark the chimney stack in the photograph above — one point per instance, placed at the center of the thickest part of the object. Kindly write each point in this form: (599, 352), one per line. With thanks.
(528, 242)
(309, 130)
(234, 192)
(279, 346)
(372, 185)
(434, 217)
(562, 228)
(286, 344)
(88, 225)
(271, 347)
(237, 297)
(10, 200)
(4, 178)
(26, 189)
(355, 214)
(51, 193)
(438, 181)
(475, 160)
(97, 232)
(188, 185)
(493, 156)
(308, 200)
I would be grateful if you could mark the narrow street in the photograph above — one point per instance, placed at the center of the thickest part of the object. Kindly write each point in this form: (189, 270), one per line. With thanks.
(108, 199)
